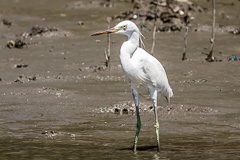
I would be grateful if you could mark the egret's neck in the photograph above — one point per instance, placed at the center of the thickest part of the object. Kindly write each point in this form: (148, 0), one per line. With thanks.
(134, 38)
(127, 51)
(130, 46)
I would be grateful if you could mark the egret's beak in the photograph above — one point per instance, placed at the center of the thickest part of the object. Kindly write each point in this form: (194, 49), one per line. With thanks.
(107, 31)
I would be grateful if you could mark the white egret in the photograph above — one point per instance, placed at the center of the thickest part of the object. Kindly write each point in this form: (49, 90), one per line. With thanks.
(140, 68)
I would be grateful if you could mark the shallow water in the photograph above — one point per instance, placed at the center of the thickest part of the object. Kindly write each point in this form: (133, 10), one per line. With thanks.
(58, 116)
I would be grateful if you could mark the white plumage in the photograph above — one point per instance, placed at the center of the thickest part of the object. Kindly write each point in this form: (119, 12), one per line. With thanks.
(140, 68)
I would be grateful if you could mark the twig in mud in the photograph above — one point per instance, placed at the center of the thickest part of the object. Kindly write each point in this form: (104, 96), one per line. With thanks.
(184, 55)
(107, 51)
(187, 24)
(153, 37)
(154, 29)
(210, 57)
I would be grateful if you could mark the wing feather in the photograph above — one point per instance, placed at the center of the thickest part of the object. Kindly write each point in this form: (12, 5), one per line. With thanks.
(152, 72)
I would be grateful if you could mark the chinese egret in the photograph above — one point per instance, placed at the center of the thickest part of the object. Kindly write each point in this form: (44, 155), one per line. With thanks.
(140, 68)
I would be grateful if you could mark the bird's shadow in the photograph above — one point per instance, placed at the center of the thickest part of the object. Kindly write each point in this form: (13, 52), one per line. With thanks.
(140, 148)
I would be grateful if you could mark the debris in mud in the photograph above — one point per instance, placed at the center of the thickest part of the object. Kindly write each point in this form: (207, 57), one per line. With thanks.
(38, 31)
(106, 4)
(172, 15)
(23, 79)
(21, 65)
(234, 31)
(110, 78)
(0, 79)
(233, 58)
(6, 22)
(214, 59)
(90, 4)
(19, 43)
(63, 15)
(16, 44)
(196, 81)
(200, 110)
(122, 111)
(14, 59)
(59, 76)
(172, 28)
(128, 107)
(98, 41)
(96, 68)
(80, 23)
(11, 44)
(52, 91)
(51, 134)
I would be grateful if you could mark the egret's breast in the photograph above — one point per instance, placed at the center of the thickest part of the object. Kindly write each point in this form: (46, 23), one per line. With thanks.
(131, 68)
(131, 61)
(128, 68)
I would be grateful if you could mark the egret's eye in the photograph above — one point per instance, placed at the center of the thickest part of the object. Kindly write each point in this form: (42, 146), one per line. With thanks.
(124, 27)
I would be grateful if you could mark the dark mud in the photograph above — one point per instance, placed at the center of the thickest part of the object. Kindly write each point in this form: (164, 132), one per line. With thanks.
(58, 102)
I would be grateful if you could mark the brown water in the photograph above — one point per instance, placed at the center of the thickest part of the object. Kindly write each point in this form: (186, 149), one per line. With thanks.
(202, 124)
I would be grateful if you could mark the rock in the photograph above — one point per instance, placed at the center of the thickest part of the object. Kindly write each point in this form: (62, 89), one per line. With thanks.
(19, 43)
(39, 30)
(125, 111)
(80, 23)
(235, 31)
(16, 44)
(96, 68)
(117, 111)
(21, 65)
(23, 79)
(6, 22)
(106, 4)
(11, 44)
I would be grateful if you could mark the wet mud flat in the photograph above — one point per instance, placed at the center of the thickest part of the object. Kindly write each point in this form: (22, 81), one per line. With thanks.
(57, 101)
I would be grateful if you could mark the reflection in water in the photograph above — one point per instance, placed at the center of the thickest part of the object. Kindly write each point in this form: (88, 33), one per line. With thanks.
(156, 157)
(136, 156)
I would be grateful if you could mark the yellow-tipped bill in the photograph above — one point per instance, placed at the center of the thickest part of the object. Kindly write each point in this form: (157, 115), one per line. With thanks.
(108, 31)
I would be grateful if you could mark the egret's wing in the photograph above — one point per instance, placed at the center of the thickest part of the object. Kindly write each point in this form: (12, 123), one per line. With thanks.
(153, 72)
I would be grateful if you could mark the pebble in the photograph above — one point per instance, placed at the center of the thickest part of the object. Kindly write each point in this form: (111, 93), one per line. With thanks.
(80, 23)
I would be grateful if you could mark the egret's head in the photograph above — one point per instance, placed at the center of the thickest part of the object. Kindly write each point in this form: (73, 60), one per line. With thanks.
(125, 27)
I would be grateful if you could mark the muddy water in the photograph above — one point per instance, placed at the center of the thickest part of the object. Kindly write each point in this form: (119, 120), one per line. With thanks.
(59, 115)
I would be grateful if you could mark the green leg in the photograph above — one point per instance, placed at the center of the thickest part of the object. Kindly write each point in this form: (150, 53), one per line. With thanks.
(153, 94)
(138, 130)
(135, 98)
(156, 126)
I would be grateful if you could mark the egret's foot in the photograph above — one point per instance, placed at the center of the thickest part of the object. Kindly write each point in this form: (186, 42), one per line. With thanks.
(134, 149)
(156, 126)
